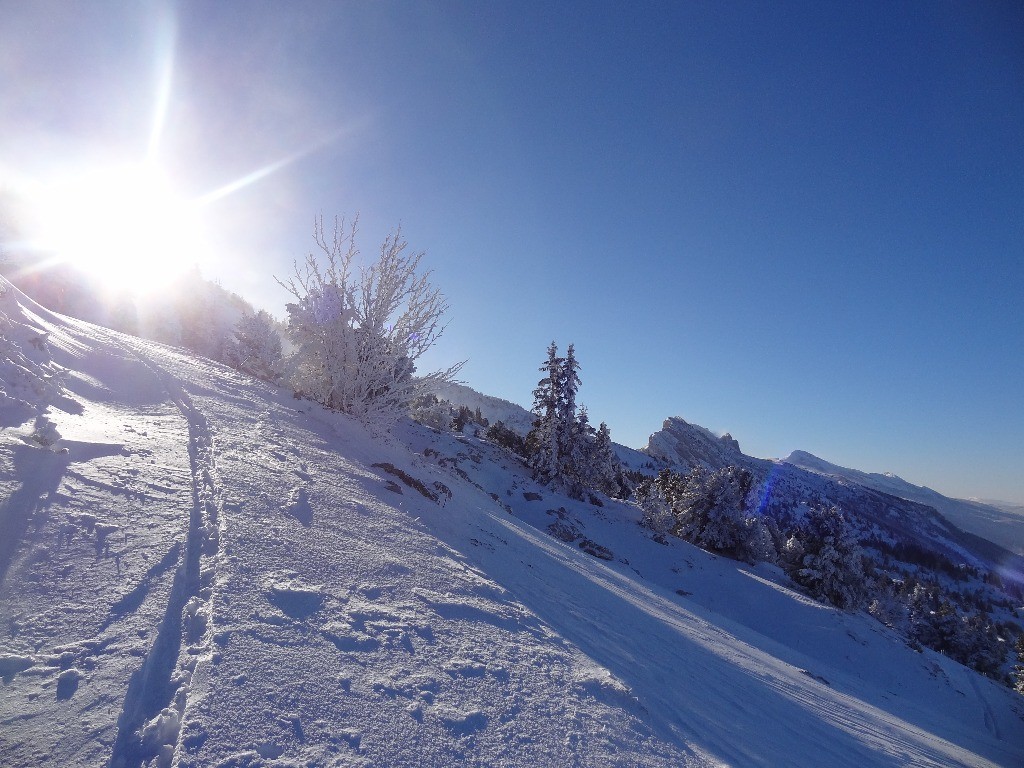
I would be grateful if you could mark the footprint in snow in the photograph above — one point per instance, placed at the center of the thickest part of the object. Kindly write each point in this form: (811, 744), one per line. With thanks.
(298, 506)
(295, 599)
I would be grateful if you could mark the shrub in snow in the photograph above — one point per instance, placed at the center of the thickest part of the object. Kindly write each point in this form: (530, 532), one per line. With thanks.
(45, 432)
(359, 332)
(507, 438)
(257, 347)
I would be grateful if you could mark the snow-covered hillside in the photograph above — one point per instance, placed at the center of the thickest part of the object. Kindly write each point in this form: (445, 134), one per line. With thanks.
(203, 570)
(1003, 526)
(494, 409)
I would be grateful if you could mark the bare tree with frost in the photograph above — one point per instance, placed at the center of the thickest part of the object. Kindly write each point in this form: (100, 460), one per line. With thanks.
(359, 330)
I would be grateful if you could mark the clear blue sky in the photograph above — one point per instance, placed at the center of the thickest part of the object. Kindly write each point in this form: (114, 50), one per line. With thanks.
(802, 223)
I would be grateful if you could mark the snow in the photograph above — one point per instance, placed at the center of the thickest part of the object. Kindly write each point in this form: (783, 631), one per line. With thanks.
(215, 573)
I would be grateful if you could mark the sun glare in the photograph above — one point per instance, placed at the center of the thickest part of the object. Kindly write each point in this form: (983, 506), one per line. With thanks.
(125, 227)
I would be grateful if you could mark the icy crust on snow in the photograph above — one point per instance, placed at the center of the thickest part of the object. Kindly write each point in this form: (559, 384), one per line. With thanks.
(218, 574)
(92, 535)
(28, 376)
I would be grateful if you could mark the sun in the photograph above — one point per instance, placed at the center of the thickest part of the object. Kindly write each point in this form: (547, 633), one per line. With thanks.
(125, 226)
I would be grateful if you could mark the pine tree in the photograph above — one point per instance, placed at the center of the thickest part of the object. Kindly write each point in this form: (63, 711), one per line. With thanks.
(257, 347)
(578, 437)
(832, 563)
(604, 467)
(562, 445)
(543, 440)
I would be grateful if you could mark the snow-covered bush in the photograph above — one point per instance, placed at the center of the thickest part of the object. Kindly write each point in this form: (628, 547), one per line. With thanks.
(358, 332)
(257, 347)
(507, 438)
(707, 509)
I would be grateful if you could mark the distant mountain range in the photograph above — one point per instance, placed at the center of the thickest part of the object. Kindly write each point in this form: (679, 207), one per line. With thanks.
(963, 531)
(1000, 522)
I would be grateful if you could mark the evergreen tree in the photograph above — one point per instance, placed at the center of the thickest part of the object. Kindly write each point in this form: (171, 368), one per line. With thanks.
(562, 445)
(832, 562)
(576, 450)
(604, 467)
(543, 440)
(570, 435)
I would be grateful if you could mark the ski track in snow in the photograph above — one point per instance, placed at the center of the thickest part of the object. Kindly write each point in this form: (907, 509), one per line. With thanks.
(408, 601)
(157, 697)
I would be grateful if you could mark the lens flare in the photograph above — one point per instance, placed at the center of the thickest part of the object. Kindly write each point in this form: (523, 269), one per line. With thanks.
(125, 227)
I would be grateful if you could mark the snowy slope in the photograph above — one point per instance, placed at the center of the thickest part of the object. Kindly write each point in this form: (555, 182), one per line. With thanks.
(206, 571)
(1003, 526)
(493, 409)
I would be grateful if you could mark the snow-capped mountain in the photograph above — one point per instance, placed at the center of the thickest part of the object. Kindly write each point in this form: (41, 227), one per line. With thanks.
(882, 502)
(679, 442)
(198, 569)
(1003, 526)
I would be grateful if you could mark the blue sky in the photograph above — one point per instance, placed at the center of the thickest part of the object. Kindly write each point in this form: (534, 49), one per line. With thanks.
(802, 223)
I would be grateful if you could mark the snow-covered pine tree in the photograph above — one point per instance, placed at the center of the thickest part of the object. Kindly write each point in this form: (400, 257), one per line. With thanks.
(543, 440)
(604, 467)
(654, 497)
(831, 565)
(710, 511)
(576, 449)
(569, 434)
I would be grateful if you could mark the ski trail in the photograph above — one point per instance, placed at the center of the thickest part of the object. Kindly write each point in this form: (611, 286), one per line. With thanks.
(149, 724)
(990, 717)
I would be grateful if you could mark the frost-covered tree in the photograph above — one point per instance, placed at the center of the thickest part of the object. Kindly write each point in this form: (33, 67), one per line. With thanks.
(359, 330)
(575, 446)
(604, 466)
(827, 559)
(562, 445)
(710, 510)
(257, 347)
(654, 496)
(707, 509)
(543, 442)
(572, 435)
